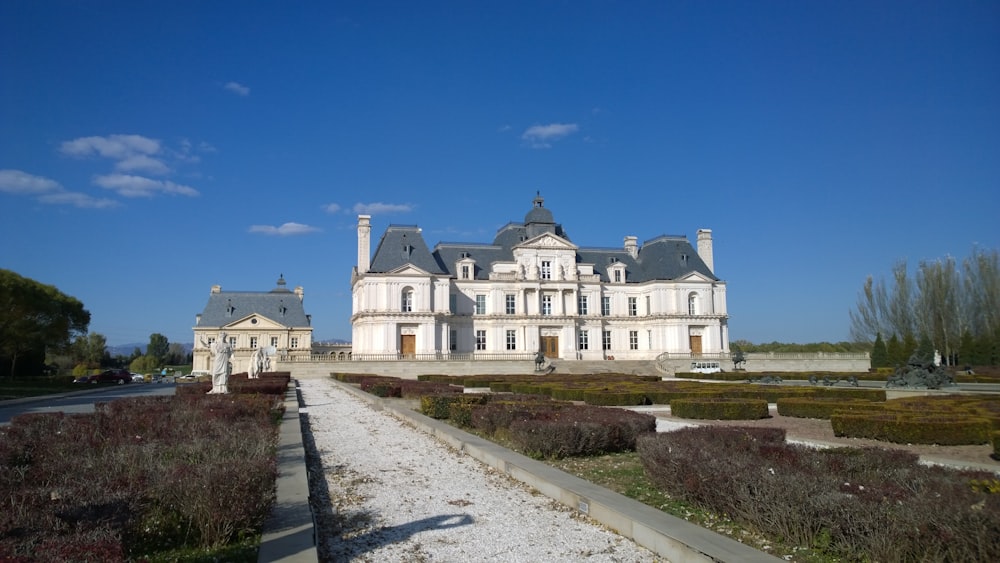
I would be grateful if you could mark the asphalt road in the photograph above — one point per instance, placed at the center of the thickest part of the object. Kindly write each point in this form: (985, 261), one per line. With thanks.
(80, 401)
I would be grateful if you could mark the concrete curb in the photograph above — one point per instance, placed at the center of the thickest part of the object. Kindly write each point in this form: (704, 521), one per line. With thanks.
(664, 535)
(290, 530)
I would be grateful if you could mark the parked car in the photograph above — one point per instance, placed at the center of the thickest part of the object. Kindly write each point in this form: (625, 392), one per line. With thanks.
(138, 378)
(83, 379)
(117, 376)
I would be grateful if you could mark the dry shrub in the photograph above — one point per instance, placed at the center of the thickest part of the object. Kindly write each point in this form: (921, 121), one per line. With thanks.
(856, 504)
(579, 431)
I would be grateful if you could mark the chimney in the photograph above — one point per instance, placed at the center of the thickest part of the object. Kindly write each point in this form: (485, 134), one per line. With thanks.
(632, 246)
(364, 243)
(705, 248)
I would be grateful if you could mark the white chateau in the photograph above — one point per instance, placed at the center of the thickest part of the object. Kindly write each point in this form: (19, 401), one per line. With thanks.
(274, 319)
(532, 290)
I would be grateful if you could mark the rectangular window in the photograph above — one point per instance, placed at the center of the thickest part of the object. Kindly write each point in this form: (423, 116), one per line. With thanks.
(582, 305)
(211, 341)
(618, 276)
(407, 301)
(511, 303)
(274, 341)
(633, 340)
(453, 340)
(633, 307)
(692, 305)
(480, 340)
(512, 340)
(583, 340)
(546, 270)
(232, 341)
(606, 340)
(606, 306)
(253, 341)
(480, 304)
(295, 342)
(546, 304)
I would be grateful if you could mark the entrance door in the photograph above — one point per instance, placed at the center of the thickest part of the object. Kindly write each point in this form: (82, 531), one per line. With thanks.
(408, 344)
(550, 346)
(695, 345)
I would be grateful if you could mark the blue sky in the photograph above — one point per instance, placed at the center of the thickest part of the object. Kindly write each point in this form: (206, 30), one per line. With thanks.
(150, 150)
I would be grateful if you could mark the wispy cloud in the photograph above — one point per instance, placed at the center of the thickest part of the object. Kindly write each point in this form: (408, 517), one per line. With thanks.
(132, 153)
(237, 88)
(46, 190)
(541, 136)
(127, 185)
(381, 208)
(332, 208)
(288, 229)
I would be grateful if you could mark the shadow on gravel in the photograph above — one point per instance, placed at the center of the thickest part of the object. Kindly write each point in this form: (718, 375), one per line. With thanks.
(331, 527)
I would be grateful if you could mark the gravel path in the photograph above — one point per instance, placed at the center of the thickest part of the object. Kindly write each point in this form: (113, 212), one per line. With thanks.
(392, 493)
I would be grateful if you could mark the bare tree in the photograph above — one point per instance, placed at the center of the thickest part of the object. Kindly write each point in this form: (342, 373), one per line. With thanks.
(879, 311)
(938, 308)
(982, 290)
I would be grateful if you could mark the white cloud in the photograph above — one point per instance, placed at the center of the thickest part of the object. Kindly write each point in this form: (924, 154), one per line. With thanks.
(48, 191)
(19, 183)
(382, 208)
(331, 208)
(118, 147)
(539, 136)
(127, 185)
(77, 199)
(237, 88)
(288, 229)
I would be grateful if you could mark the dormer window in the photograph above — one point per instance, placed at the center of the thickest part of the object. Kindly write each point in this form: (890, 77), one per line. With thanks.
(229, 308)
(407, 251)
(465, 271)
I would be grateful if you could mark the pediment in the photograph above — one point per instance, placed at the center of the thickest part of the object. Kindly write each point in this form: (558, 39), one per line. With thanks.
(254, 322)
(409, 270)
(548, 241)
(694, 277)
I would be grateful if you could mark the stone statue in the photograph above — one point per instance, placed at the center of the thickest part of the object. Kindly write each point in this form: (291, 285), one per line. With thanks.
(256, 363)
(267, 362)
(221, 353)
(539, 360)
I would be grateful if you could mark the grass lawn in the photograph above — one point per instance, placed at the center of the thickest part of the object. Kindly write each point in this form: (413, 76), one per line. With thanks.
(21, 387)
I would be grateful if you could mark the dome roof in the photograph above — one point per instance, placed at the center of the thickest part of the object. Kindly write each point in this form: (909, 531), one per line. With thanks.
(538, 213)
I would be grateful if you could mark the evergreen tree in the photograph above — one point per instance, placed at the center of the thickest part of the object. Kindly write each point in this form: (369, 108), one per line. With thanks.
(894, 351)
(925, 348)
(880, 355)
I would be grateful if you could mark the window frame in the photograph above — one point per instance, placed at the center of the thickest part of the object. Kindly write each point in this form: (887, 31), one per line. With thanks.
(480, 340)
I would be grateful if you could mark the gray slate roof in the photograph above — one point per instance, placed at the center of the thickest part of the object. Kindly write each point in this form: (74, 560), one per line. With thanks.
(665, 257)
(280, 305)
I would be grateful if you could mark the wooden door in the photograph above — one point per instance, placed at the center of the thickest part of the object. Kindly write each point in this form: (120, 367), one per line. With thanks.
(408, 345)
(695, 345)
(550, 346)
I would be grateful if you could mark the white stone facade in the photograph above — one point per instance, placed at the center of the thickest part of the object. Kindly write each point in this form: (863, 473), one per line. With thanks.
(527, 293)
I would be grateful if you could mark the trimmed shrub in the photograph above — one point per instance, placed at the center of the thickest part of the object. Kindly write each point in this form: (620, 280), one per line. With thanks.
(943, 430)
(823, 407)
(579, 431)
(615, 398)
(720, 409)
(381, 386)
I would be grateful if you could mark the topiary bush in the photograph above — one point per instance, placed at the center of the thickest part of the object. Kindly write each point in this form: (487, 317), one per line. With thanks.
(720, 409)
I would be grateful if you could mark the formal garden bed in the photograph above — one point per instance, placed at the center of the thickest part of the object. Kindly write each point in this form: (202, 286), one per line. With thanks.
(183, 478)
(809, 504)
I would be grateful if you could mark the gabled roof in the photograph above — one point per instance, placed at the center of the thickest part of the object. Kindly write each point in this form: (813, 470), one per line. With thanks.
(666, 257)
(280, 305)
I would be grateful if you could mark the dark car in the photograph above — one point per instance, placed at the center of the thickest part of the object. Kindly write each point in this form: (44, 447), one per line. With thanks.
(117, 376)
(83, 379)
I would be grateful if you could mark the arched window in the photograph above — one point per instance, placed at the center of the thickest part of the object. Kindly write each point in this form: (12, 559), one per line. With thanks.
(407, 301)
(693, 304)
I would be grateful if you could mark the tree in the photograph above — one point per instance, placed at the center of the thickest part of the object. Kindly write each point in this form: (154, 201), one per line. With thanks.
(175, 355)
(35, 318)
(937, 311)
(158, 347)
(89, 350)
(880, 355)
(895, 353)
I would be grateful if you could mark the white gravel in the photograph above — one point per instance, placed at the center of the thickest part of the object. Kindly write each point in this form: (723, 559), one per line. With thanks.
(393, 493)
